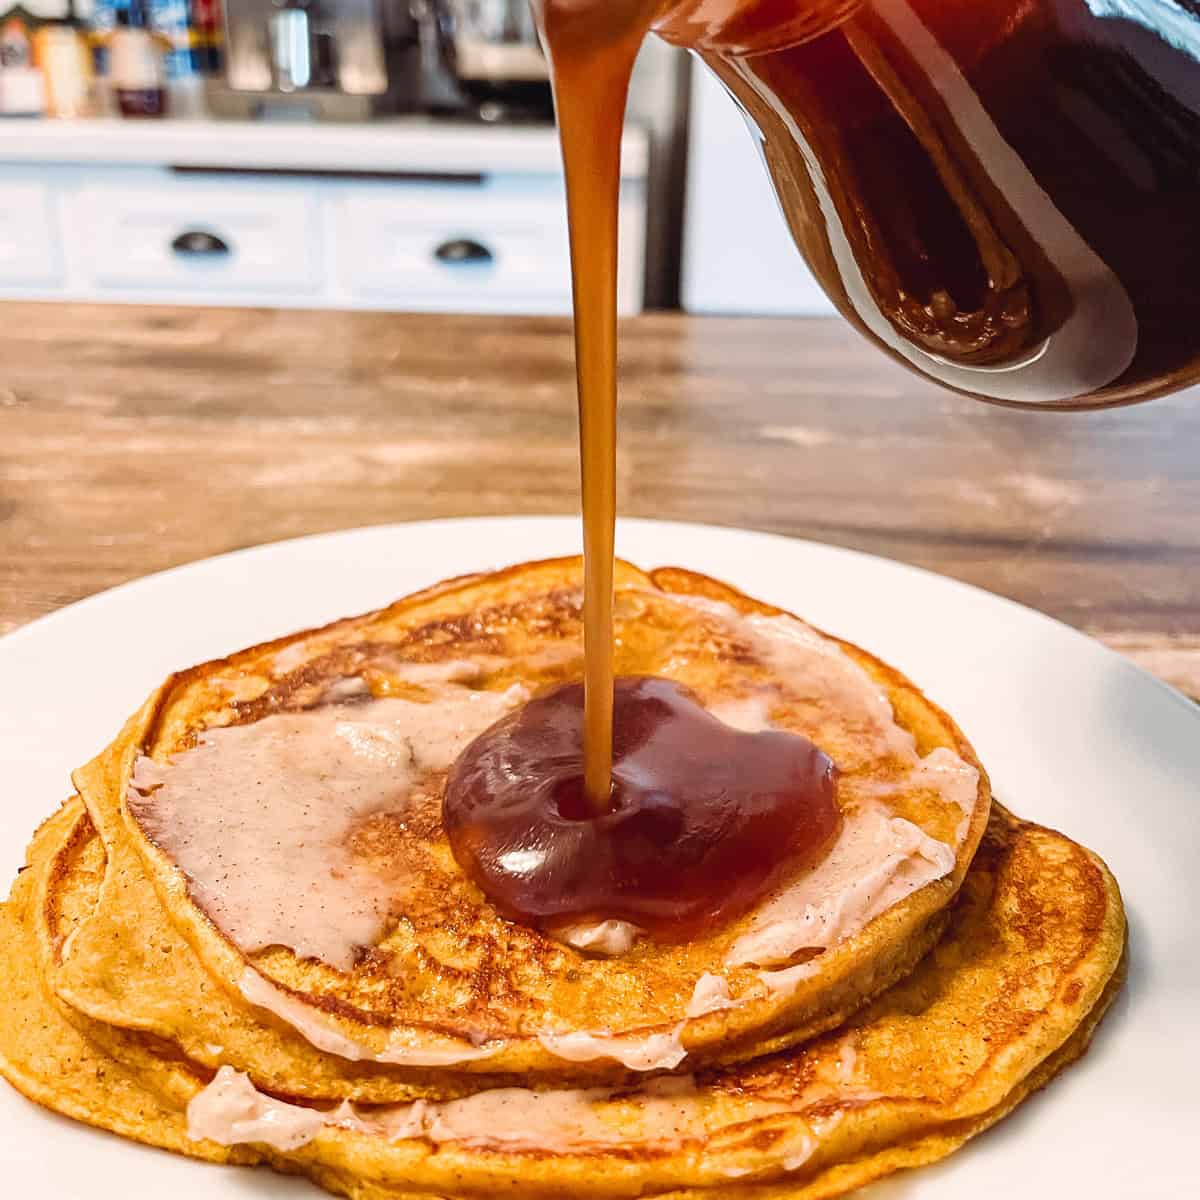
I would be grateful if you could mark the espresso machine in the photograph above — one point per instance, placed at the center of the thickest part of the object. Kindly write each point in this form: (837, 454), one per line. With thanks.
(353, 59)
(497, 59)
(342, 60)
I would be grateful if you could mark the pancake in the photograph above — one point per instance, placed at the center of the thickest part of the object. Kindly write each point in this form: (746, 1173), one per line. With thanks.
(42, 1054)
(449, 990)
(1030, 959)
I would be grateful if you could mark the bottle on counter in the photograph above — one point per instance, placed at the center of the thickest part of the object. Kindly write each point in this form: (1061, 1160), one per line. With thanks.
(22, 89)
(184, 30)
(135, 64)
(206, 35)
(61, 52)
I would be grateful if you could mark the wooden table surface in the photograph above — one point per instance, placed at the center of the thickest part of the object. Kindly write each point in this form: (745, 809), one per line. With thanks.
(133, 439)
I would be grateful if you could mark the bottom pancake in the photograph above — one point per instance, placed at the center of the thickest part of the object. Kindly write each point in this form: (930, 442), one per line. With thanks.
(45, 1057)
(849, 1176)
(1028, 964)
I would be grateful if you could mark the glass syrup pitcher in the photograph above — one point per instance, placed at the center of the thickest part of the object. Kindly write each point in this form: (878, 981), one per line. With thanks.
(1002, 194)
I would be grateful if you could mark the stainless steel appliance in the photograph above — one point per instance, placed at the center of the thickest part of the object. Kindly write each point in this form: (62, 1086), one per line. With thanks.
(305, 58)
(497, 59)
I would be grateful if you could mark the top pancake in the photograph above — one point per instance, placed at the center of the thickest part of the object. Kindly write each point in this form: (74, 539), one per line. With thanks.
(452, 985)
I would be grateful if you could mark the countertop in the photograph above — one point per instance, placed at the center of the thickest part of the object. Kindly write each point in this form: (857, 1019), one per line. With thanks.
(396, 145)
(133, 439)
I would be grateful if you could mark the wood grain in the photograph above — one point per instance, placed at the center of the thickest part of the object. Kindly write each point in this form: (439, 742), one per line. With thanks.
(133, 439)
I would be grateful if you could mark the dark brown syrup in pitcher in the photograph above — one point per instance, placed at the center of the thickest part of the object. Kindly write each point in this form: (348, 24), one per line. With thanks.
(1002, 194)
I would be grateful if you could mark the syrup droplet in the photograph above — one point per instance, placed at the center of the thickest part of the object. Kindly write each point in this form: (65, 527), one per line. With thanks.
(704, 818)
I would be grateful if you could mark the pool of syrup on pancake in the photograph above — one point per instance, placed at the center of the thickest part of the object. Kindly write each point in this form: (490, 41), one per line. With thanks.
(703, 819)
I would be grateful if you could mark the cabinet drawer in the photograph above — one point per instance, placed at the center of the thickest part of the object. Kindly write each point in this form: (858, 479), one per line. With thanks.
(454, 247)
(29, 254)
(187, 236)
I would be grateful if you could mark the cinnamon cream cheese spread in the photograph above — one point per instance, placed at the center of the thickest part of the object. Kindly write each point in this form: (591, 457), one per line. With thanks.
(607, 938)
(232, 1111)
(259, 817)
(642, 1052)
(711, 994)
(431, 1052)
(876, 861)
(813, 668)
(637, 1052)
(663, 1114)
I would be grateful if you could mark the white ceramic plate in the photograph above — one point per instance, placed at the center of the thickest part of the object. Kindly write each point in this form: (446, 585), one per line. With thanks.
(1074, 737)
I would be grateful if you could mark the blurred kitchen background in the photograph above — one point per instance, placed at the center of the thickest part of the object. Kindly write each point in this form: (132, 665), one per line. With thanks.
(389, 154)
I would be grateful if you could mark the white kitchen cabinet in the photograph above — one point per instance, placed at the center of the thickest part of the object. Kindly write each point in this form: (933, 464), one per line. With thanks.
(29, 245)
(496, 246)
(155, 233)
(413, 217)
(437, 244)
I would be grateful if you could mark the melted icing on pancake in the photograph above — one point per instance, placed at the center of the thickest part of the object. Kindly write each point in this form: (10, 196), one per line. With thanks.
(262, 818)
(608, 938)
(641, 1052)
(875, 863)
(232, 1111)
(815, 670)
(636, 1052)
(711, 994)
(661, 1114)
(322, 1033)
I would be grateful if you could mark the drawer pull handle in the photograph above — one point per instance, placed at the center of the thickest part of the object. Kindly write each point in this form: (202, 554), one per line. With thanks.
(463, 250)
(200, 244)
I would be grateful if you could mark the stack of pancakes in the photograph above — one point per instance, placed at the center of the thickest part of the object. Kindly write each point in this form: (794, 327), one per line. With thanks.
(180, 976)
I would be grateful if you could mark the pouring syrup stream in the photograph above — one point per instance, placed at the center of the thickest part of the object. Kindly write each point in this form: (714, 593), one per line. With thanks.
(591, 52)
(678, 822)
